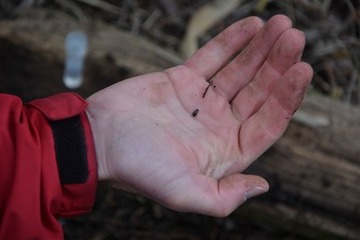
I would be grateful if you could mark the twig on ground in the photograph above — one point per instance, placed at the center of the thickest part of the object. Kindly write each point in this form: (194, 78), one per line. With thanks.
(103, 6)
(151, 20)
(72, 7)
(170, 6)
(352, 85)
(137, 20)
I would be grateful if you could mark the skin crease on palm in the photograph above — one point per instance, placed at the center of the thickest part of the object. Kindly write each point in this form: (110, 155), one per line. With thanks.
(148, 141)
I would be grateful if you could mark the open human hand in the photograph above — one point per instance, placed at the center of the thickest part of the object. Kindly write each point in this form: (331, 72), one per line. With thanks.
(183, 136)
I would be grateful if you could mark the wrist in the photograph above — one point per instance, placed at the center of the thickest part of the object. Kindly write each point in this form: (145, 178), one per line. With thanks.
(102, 172)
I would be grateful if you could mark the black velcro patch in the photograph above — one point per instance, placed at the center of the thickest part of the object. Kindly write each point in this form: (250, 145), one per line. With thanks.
(70, 148)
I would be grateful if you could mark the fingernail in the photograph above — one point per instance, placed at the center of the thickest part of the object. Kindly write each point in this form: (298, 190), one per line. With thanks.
(255, 191)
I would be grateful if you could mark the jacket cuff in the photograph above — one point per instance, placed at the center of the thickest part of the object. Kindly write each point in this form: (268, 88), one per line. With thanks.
(74, 151)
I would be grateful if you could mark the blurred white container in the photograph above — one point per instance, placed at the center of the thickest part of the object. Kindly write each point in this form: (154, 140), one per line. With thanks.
(76, 47)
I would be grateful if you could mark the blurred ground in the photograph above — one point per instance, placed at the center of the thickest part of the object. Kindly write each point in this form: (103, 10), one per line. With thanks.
(332, 31)
(332, 28)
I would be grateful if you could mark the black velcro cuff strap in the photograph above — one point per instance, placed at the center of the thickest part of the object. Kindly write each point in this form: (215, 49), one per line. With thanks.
(70, 149)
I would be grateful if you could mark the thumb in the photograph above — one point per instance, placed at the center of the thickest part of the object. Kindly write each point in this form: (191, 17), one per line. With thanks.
(235, 189)
(212, 197)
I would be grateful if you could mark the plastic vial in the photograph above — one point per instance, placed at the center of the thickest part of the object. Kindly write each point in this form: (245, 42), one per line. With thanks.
(76, 46)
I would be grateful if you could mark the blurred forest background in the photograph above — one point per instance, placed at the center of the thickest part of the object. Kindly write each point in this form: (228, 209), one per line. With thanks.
(161, 33)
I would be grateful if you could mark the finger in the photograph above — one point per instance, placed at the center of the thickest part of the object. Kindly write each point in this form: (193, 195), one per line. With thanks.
(262, 129)
(230, 80)
(220, 198)
(286, 52)
(216, 53)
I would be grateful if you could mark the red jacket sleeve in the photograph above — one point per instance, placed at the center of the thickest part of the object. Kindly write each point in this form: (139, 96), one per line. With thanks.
(31, 195)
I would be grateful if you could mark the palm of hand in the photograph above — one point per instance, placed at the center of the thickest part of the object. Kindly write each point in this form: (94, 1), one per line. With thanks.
(170, 137)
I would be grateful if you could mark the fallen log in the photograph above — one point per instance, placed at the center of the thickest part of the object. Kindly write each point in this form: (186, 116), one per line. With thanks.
(313, 170)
